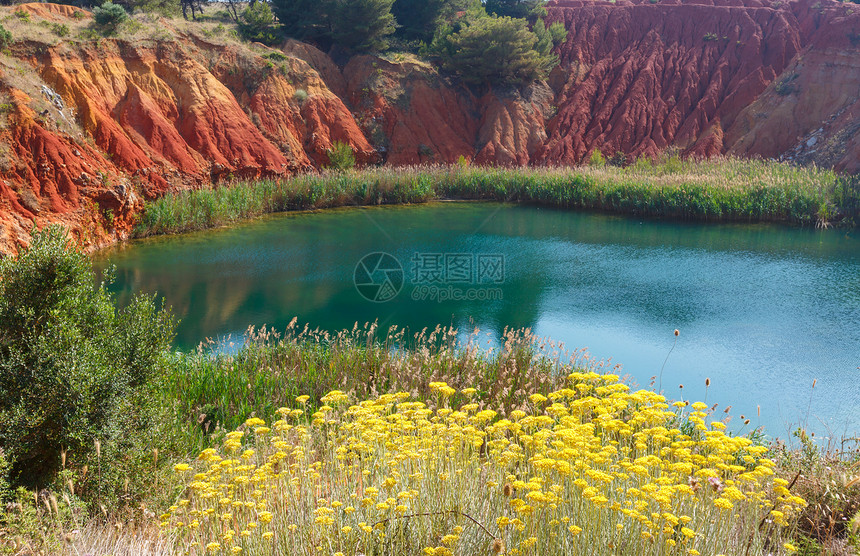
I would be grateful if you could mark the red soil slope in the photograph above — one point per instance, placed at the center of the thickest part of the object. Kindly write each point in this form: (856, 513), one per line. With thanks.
(95, 127)
(640, 77)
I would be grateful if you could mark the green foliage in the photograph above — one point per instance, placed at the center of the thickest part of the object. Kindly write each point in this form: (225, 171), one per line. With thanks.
(5, 470)
(256, 23)
(497, 50)
(304, 19)
(547, 38)
(271, 370)
(760, 191)
(418, 19)
(558, 32)
(619, 159)
(22, 15)
(5, 37)
(523, 9)
(60, 29)
(597, 158)
(340, 156)
(73, 368)
(109, 16)
(363, 25)
(162, 7)
(276, 56)
(421, 19)
(300, 95)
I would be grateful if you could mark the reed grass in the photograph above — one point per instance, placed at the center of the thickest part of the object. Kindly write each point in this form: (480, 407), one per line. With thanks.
(272, 369)
(715, 190)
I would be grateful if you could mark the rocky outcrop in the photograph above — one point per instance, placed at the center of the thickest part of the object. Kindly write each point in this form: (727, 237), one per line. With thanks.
(95, 127)
(638, 77)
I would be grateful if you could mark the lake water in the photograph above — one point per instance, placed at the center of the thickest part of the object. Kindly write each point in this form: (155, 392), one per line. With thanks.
(762, 310)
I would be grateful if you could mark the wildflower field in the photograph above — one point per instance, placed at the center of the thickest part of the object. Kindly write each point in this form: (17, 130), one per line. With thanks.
(370, 442)
(592, 468)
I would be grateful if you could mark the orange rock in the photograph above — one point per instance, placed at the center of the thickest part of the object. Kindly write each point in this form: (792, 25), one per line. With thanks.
(103, 127)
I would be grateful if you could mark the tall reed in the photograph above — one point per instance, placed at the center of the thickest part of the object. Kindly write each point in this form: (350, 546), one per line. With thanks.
(719, 190)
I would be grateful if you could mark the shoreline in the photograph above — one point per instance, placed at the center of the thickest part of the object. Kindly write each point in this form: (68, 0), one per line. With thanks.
(723, 191)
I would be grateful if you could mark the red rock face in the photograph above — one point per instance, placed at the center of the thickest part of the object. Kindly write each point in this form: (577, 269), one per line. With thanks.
(649, 76)
(93, 130)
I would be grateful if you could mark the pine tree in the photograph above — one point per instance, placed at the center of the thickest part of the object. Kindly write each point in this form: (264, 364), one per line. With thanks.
(496, 50)
(304, 19)
(363, 25)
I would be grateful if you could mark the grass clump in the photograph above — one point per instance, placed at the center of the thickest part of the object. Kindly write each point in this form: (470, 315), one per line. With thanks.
(591, 468)
(721, 190)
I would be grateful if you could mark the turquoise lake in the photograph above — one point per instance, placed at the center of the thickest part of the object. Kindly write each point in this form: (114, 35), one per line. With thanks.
(762, 310)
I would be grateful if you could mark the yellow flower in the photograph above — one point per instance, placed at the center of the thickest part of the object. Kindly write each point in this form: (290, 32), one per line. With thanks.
(537, 398)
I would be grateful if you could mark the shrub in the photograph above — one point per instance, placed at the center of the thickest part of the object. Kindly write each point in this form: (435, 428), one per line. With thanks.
(618, 159)
(109, 16)
(256, 23)
(597, 158)
(60, 29)
(5, 37)
(73, 368)
(340, 156)
(300, 95)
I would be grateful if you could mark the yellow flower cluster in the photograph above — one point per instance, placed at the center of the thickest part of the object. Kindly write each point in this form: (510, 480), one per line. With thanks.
(591, 469)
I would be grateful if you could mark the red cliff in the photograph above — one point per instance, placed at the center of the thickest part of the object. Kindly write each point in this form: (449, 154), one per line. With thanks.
(94, 127)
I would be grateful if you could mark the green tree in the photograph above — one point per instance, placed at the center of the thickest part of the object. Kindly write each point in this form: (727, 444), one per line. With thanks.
(494, 50)
(363, 25)
(523, 9)
(256, 23)
(304, 19)
(73, 368)
(547, 38)
(420, 19)
(109, 16)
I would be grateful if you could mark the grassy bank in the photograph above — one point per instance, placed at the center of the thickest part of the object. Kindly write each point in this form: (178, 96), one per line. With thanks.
(719, 190)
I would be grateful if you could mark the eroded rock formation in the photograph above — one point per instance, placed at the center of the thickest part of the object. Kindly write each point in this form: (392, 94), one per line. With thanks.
(95, 127)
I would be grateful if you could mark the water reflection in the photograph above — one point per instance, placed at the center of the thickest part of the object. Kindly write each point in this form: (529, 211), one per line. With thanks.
(763, 310)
